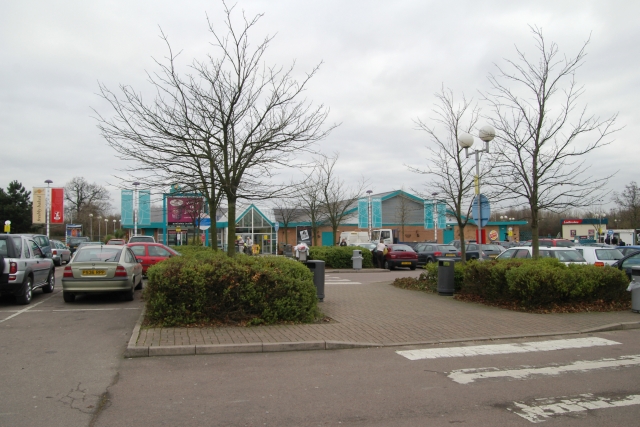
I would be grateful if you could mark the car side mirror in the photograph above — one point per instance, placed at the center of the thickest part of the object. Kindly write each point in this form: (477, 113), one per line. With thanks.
(138, 260)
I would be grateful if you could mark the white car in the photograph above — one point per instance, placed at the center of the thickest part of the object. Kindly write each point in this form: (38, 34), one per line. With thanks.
(565, 255)
(600, 256)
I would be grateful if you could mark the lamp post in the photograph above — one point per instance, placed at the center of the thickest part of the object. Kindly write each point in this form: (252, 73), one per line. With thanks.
(369, 213)
(486, 133)
(91, 225)
(106, 227)
(114, 227)
(435, 216)
(135, 208)
(48, 202)
(99, 218)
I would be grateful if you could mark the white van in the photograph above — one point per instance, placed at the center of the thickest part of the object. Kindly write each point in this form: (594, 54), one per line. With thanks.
(354, 237)
(386, 234)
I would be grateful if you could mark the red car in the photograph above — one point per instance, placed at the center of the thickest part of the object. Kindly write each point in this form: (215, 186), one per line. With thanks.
(151, 253)
(400, 256)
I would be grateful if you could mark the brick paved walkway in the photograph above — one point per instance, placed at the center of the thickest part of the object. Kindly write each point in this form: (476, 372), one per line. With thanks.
(379, 313)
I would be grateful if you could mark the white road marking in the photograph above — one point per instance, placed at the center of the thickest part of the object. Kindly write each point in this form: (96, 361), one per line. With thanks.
(466, 376)
(491, 349)
(334, 280)
(550, 407)
(25, 309)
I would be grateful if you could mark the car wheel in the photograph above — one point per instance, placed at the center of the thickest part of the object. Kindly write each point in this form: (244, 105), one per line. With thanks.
(139, 286)
(429, 260)
(57, 263)
(413, 267)
(388, 266)
(28, 292)
(51, 283)
(68, 296)
(127, 295)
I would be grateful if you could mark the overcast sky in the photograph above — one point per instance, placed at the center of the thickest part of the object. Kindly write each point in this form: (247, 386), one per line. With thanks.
(382, 63)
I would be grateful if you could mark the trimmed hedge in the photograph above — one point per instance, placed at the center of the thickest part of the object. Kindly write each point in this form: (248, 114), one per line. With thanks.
(340, 256)
(530, 283)
(208, 287)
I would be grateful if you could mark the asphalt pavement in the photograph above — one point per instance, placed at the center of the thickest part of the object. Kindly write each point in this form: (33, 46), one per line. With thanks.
(367, 311)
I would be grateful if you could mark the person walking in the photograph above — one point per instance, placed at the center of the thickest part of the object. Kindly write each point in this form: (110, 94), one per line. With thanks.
(380, 253)
(343, 242)
(249, 249)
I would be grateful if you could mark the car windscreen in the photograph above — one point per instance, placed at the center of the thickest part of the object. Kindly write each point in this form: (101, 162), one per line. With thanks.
(447, 248)
(76, 240)
(104, 253)
(491, 248)
(401, 248)
(566, 256)
(609, 254)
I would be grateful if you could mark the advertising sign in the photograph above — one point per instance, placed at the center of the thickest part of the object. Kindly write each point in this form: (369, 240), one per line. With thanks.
(481, 216)
(126, 208)
(57, 206)
(303, 234)
(363, 213)
(39, 205)
(74, 230)
(183, 210)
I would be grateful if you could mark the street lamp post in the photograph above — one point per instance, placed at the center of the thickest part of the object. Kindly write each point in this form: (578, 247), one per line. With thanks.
(106, 227)
(370, 213)
(114, 227)
(435, 216)
(91, 225)
(99, 218)
(135, 208)
(48, 202)
(486, 133)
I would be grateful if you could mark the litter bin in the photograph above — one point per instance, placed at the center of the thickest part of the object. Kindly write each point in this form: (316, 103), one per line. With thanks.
(446, 274)
(302, 254)
(288, 251)
(634, 287)
(357, 260)
(317, 268)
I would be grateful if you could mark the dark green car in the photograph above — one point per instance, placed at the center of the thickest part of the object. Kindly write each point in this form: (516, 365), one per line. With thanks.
(73, 242)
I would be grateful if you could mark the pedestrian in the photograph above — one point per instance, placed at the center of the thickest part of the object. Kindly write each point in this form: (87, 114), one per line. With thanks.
(249, 248)
(380, 253)
(343, 242)
(240, 244)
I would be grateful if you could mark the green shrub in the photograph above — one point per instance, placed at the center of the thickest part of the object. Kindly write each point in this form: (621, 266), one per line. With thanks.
(205, 286)
(340, 256)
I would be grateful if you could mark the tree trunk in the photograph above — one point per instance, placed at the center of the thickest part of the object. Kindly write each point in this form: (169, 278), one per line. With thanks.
(231, 228)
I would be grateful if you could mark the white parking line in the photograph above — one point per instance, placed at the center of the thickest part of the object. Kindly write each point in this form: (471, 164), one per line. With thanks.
(482, 350)
(467, 376)
(25, 309)
(550, 407)
(333, 280)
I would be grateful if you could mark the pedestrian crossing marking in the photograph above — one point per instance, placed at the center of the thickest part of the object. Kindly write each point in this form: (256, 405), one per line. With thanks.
(467, 376)
(493, 349)
(335, 280)
(541, 410)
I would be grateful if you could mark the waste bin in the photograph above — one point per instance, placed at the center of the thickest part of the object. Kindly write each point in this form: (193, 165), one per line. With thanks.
(288, 251)
(357, 260)
(317, 268)
(302, 254)
(634, 287)
(446, 275)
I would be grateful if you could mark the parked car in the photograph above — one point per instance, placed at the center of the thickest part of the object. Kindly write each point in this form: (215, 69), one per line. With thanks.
(60, 252)
(116, 242)
(564, 243)
(43, 243)
(151, 253)
(505, 244)
(432, 252)
(627, 250)
(598, 255)
(73, 242)
(24, 267)
(400, 255)
(472, 251)
(102, 268)
(370, 246)
(136, 239)
(564, 255)
(628, 261)
(456, 243)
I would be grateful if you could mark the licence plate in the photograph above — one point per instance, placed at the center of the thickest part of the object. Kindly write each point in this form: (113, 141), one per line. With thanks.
(450, 254)
(405, 263)
(93, 272)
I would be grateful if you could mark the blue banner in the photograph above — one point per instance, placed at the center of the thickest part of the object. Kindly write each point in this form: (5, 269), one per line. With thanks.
(363, 213)
(144, 207)
(376, 212)
(126, 209)
(442, 215)
(428, 214)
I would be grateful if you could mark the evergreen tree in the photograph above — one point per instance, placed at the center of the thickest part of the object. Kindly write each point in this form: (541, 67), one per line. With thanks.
(15, 206)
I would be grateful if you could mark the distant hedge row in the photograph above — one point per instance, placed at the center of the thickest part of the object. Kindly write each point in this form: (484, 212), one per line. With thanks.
(340, 256)
(530, 283)
(208, 287)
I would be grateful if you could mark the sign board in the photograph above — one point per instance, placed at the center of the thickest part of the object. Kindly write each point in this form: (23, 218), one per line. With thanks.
(276, 227)
(609, 233)
(39, 205)
(481, 217)
(493, 235)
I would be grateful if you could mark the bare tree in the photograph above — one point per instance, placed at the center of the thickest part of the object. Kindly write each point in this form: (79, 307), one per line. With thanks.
(628, 201)
(337, 196)
(541, 133)
(286, 209)
(231, 122)
(85, 198)
(309, 192)
(449, 172)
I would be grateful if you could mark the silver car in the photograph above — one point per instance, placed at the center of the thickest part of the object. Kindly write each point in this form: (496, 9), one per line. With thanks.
(60, 252)
(24, 267)
(102, 268)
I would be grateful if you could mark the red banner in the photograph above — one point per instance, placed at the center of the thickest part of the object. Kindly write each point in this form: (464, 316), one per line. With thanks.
(57, 206)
